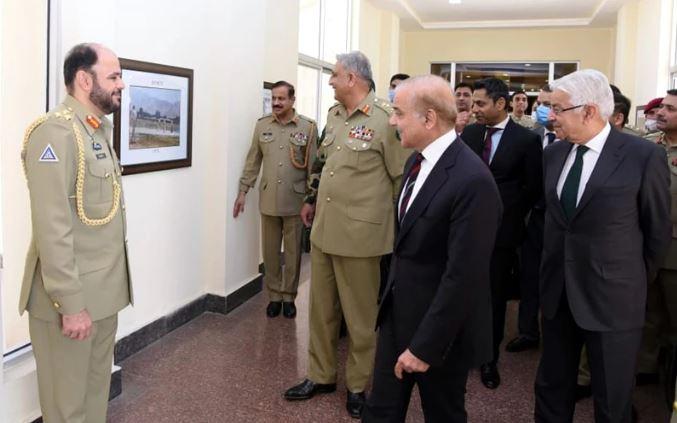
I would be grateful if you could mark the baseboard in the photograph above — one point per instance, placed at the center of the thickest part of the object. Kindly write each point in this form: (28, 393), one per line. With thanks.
(138, 340)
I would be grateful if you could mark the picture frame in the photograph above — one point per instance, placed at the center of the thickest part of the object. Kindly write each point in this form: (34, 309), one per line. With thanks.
(153, 128)
(267, 98)
(639, 116)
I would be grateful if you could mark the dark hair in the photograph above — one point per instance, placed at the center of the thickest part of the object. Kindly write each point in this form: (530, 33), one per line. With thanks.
(614, 89)
(290, 87)
(372, 85)
(546, 88)
(464, 85)
(399, 76)
(81, 57)
(623, 105)
(495, 89)
(518, 92)
(672, 92)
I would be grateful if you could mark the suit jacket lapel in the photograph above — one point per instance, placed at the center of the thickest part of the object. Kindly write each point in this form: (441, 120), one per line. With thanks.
(432, 184)
(608, 160)
(502, 144)
(553, 178)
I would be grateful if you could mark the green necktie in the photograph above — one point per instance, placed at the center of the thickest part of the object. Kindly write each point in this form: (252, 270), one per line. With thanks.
(569, 194)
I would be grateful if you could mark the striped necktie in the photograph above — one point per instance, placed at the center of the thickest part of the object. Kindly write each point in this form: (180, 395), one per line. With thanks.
(409, 187)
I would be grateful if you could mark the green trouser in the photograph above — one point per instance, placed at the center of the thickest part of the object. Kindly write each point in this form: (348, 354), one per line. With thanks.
(275, 230)
(73, 376)
(348, 287)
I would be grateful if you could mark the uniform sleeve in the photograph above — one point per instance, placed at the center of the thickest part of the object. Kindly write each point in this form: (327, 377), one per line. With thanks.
(315, 172)
(395, 156)
(252, 164)
(50, 184)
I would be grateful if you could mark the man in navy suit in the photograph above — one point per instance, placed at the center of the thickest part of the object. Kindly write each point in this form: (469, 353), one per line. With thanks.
(607, 230)
(514, 157)
(435, 314)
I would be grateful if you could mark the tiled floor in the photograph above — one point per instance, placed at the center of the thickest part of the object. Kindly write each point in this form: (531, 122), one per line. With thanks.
(234, 368)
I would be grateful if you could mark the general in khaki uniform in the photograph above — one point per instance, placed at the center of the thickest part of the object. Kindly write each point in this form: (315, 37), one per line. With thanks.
(360, 163)
(77, 259)
(283, 151)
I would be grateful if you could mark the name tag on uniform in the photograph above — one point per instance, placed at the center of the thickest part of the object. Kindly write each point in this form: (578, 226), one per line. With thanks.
(100, 156)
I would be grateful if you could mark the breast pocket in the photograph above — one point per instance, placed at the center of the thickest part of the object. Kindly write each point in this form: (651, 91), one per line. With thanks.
(298, 143)
(98, 187)
(266, 137)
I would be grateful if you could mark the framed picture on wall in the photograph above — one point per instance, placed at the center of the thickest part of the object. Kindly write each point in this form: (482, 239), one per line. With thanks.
(639, 116)
(267, 98)
(153, 128)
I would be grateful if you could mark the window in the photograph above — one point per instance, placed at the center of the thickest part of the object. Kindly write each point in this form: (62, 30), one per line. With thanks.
(324, 32)
(528, 77)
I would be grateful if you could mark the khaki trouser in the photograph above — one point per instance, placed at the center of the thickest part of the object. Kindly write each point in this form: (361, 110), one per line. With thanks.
(345, 286)
(73, 376)
(275, 229)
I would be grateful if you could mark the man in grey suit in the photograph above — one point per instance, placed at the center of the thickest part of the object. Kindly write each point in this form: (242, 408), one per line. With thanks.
(607, 230)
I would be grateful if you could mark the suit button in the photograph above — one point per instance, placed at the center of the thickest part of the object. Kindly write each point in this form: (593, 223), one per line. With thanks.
(328, 199)
(331, 173)
(279, 181)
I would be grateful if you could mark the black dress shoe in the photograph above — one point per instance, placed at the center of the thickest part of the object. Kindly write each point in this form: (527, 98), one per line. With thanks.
(307, 389)
(274, 308)
(583, 391)
(355, 404)
(522, 343)
(288, 309)
(489, 375)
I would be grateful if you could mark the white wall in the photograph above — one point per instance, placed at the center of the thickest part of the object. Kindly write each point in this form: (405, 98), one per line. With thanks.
(643, 49)
(379, 40)
(183, 240)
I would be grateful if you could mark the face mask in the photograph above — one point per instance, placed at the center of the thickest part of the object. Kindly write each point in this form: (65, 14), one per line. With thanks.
(391, 95)
(650, 125)
(542, 113)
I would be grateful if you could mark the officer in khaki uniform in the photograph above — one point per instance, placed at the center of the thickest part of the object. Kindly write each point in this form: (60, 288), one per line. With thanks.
(519, 102)
(77, 276)
(359, 167)
(283, 145)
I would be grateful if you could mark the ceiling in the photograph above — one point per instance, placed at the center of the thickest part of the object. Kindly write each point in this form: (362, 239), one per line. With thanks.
(439, 14)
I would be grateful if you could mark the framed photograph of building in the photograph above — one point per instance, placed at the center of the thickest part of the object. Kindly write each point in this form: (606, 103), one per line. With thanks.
(153, 128)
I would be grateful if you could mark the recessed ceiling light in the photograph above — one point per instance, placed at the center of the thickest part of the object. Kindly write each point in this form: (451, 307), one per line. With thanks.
(454, 1)
(527, 64)
(505, 74)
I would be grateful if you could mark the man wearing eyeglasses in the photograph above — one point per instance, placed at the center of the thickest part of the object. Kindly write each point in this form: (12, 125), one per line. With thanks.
(607, 230)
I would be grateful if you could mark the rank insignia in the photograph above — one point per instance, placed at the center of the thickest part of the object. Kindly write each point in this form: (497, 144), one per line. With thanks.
(96, 146)
(48, 155)
(365, 109)
(361, 133)
(93, 121)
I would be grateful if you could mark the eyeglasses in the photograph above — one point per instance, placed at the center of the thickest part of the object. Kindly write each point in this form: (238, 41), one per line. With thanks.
(557, 110)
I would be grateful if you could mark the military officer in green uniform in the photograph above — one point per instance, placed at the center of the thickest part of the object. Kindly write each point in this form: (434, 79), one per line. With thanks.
(351, 194)
(77, 276)
(283, 145)
(519, 102)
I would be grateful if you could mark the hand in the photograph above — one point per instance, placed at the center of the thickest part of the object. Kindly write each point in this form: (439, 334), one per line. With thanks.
(409, 363)
(239, 204)
(462, 119)
(307, 214)
(76, 326)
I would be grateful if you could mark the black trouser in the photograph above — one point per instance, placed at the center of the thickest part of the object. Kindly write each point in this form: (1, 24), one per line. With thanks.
(612, 357)
(442, 389)
(529, 275)
(502, 264)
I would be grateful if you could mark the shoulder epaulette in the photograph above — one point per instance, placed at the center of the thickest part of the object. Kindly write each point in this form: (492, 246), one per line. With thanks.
(266, 116)
(307, 119)
(335, 105)
(383, 105)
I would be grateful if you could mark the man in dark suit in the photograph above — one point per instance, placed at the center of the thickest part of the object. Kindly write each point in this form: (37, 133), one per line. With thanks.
(530, 252)
(607, 230)
(513, 154)
(434, 316)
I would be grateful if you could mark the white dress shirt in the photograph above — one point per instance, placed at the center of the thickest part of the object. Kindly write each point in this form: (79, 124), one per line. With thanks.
(544, 141)
(431, 154)
(595, 145)
(496, 137)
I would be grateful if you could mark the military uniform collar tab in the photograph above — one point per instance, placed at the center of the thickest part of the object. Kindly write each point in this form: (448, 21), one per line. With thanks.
(367, 104)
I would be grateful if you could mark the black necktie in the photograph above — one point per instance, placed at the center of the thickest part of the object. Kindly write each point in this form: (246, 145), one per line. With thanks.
(409, 187)
(551, 137)
(569, 195)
